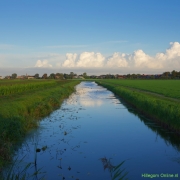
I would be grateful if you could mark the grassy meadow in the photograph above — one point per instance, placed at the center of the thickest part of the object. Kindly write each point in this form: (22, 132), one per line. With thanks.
(23, 103)
(168, 88)
(159, 99)
(9, 87)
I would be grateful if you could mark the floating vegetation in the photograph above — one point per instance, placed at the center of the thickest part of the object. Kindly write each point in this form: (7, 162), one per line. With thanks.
(44, 148)
(38, 150)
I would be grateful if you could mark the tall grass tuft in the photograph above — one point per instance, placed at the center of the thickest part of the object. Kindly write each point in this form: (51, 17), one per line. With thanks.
(18, 171)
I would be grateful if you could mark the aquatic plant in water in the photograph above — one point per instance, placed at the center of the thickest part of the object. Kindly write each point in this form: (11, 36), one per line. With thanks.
(116, 172)
(18, 171)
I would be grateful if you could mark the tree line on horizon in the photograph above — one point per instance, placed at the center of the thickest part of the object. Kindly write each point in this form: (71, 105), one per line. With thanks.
(165, 75)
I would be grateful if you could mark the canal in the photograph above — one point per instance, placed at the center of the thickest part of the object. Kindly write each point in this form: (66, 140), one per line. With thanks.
(92, 132)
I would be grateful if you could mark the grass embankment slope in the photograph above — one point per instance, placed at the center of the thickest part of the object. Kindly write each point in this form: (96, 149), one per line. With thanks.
(159, 99)
(23, 103)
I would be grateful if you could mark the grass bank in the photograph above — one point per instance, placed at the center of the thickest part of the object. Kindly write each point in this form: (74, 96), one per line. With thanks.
(164, 111)
(168, 88)
(22, 107)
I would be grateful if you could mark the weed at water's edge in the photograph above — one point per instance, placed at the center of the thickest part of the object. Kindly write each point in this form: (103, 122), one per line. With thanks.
(116, 172)
(16, 172)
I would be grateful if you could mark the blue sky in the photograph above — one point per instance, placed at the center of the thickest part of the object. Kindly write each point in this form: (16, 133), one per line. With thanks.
(47, 31)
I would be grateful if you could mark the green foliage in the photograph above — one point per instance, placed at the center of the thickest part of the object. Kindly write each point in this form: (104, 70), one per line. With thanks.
(11, 128)
(44, 76)
(14, 75)
(36, 75)
(52, 76)
(59, 76)
(84, 74)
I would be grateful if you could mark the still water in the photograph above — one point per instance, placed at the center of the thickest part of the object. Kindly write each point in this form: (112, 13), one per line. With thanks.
(93, 124)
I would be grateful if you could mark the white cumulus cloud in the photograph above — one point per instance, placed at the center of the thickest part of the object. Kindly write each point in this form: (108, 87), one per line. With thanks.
(70, 60)
(85, 59)
(43, 63)
(117, 60)
(138, 60)
(90, 59)
(171, 58)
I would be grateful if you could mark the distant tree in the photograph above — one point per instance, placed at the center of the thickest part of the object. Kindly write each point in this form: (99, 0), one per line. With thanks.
(138, 76)
(36, 76)
(52, 76)
(59, 76)
(14, 75)
(66, 76)
(178, 74)
(84, 74)
(71, 75)
(166, 75)
(44, 76)
(133, 76)
(128, 75)
(173, 74)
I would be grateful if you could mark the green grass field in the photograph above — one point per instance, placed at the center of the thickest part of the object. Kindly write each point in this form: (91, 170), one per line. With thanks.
(168, 88)
(9, 87)
(25, 102)
(165, 111)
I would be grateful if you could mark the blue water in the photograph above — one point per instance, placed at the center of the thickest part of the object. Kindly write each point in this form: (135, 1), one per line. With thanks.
(93, 124)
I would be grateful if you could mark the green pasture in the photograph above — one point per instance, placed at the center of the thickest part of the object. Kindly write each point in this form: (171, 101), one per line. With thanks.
(168, 88)
(10, 87)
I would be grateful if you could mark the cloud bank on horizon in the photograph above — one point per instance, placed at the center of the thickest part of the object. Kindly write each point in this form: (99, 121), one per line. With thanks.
(170, 59)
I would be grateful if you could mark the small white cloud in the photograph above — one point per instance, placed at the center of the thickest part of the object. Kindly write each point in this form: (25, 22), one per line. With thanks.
(43, 63)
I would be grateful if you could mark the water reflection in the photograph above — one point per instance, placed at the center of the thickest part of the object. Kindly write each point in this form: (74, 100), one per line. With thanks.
(92, 123)
(169, 137)
(91, 103)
